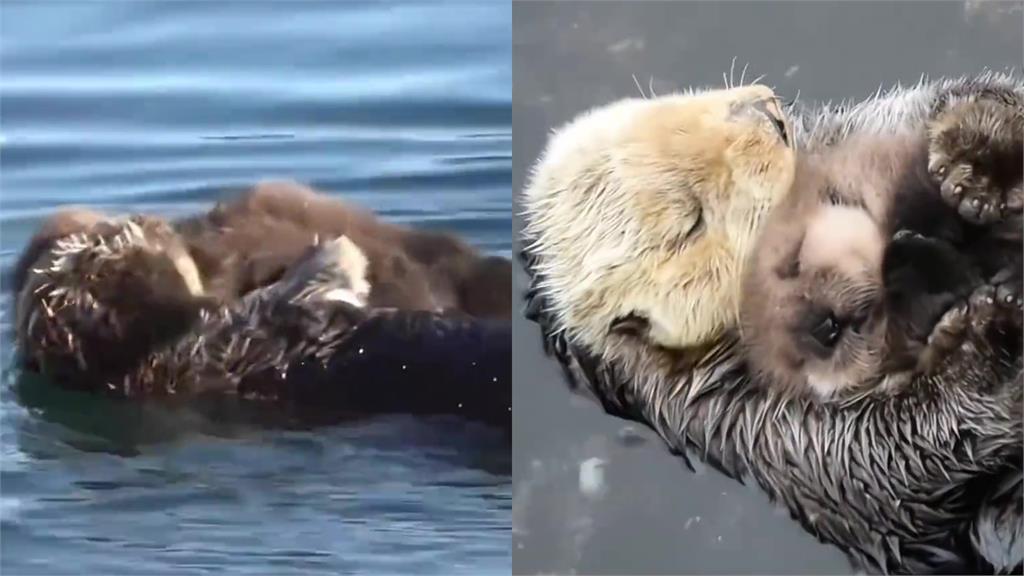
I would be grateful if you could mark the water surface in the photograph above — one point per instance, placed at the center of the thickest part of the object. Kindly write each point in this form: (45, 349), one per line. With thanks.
(165, 107)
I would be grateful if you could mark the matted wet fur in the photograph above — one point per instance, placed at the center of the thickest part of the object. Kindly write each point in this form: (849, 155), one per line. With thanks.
(925, 481)
(303, 344)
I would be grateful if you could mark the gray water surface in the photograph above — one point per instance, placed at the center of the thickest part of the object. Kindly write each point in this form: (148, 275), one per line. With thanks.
(638, 509)
(164, 107)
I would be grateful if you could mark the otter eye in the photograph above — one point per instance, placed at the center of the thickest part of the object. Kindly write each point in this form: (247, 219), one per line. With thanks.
(827, 331)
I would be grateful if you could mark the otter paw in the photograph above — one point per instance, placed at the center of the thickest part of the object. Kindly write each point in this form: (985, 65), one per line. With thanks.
(948, 334)
(996, 306)
(974, 154)
(983, 307)
(1008, 287)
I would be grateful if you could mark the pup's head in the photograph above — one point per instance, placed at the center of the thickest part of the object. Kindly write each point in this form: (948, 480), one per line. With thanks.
(333, 270)
(640, 209)
(833, 303)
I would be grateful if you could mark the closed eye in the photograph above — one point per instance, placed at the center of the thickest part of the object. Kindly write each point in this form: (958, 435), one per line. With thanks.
(695, 231)
(698, 227)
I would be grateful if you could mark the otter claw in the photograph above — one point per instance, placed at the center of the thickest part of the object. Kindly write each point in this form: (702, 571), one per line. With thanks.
(906, 234)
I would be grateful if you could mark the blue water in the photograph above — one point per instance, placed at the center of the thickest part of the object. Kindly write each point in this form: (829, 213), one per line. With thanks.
(164, 108)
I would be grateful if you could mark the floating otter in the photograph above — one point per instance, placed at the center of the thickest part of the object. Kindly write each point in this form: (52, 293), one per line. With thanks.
(634, 240)
(834, 304)
(249, 241)
(923, 481)
(109, 309)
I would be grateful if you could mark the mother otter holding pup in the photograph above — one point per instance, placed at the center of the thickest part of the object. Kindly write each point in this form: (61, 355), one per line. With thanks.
(282, 296)
(920, 477)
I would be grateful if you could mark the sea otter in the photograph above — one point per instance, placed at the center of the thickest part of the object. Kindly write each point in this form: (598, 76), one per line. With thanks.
(307, 343)
(924, 481)
(635, 242)
(852, 271)
(250, 240)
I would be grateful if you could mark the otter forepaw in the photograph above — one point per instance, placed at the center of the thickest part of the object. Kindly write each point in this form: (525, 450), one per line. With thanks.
(947, 335)
(996, 306)
(1008, 286)
(974, 153)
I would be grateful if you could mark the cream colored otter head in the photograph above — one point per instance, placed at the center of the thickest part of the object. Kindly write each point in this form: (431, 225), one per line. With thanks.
(643, 212)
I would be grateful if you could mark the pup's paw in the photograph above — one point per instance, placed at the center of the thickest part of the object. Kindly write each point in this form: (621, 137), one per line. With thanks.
(974, 153)
(996, 307)
(947, 336)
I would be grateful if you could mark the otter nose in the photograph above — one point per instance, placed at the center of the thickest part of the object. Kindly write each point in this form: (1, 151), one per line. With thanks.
(768, 109)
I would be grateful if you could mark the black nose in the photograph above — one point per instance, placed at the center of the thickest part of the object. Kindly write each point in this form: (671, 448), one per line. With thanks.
(923, 277)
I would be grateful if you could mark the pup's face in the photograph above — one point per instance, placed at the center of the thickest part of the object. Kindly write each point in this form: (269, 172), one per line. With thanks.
(642, 207)
(332, 270)
(814, 314)
(833, 303)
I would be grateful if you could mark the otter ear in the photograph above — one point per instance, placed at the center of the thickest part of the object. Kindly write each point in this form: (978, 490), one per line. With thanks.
(631, 324)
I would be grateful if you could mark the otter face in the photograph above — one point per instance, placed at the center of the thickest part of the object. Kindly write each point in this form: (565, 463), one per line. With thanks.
(643, 212)
(334, 270)
(814, 315)
(352, 264)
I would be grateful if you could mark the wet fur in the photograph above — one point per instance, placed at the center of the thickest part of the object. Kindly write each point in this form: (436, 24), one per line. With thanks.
(925, 481)
(290, 344)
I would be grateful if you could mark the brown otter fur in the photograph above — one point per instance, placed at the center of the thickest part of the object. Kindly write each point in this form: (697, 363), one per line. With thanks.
(249, 241)
(833, 304)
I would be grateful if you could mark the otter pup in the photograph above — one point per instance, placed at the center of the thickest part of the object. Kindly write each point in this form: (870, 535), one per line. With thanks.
(643, 212)
(919, 482)
(854, 273)
(249, 241)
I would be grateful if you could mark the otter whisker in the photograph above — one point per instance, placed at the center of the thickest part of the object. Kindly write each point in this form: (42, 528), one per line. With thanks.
(639, 89)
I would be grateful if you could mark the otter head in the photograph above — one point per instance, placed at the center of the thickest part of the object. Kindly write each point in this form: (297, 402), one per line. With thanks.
(642, 212)
(333, 270)
(98, 298)
(839, 296)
